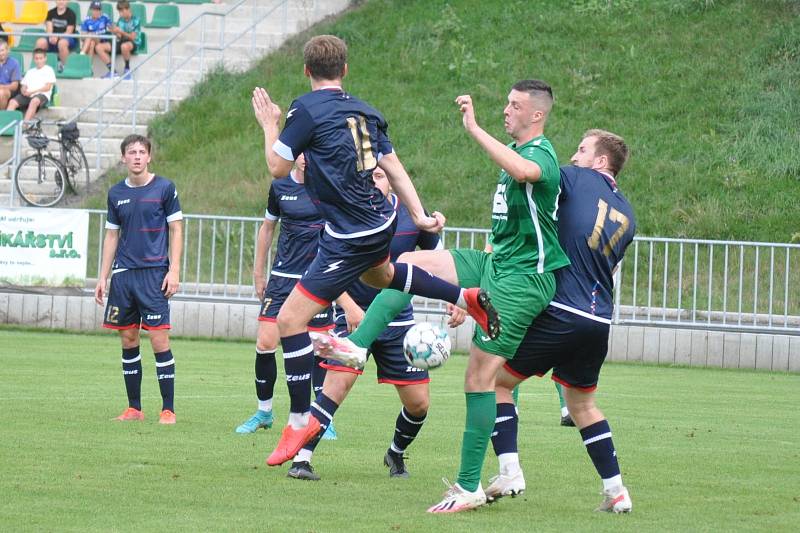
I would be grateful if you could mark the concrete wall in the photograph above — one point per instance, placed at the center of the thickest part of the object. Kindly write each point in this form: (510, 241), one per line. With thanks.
(239, 320)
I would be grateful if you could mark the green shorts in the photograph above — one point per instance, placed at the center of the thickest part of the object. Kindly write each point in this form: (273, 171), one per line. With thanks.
(518, 298)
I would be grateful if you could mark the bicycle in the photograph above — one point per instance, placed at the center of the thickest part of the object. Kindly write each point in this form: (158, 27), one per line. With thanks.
(42, 178)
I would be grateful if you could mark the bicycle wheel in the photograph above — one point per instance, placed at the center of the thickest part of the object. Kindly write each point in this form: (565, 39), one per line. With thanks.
(40, 180)
(77, 167)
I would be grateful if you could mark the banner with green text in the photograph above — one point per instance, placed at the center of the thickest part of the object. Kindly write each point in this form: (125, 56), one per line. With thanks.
(43, 247)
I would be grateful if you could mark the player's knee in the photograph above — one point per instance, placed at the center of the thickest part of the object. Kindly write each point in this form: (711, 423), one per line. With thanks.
(417, 407)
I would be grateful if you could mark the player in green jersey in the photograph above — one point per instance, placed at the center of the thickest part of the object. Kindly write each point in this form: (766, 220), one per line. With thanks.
(518, 274)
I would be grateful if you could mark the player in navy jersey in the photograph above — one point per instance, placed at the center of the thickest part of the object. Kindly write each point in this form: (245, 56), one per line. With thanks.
(387, 351)
(301, 224)
(142, 248)
(595, 226)
(343, 140)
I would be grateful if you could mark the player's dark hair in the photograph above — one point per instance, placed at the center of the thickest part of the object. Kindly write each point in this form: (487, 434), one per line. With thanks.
(539, 91)
(123, 4)
(325, 57)
(133, 139)
(610, 145)
(39, 51)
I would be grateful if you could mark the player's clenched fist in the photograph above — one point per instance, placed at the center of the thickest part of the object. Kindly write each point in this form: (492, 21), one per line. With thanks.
(464, 103)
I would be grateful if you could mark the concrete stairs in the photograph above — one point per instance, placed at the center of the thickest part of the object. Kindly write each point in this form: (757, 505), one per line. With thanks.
(186, 57)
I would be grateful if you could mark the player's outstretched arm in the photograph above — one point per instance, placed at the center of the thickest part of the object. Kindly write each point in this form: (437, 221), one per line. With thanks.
(263, 243)
(268, 116)
(519, 168)
(110, 242)
(404, 189)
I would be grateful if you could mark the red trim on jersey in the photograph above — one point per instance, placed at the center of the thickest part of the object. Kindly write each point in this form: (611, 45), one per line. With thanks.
(310, 296)
(150, 200)
(401, 382)
(324, 328)
(338, 368)
(569, 385)
(267, 319)
(382, 261)
(162, 326)
(130, 326)
(152, 229)
(514, 372)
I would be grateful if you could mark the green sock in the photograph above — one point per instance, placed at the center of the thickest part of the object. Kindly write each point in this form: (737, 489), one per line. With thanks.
(481, 413)
(560, 395)
(382, 310)
(515, 395)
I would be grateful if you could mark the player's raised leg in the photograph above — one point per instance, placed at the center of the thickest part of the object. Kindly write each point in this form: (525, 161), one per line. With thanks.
(596, 435)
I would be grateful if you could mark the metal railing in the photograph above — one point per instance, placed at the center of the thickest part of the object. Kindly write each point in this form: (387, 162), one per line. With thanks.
(129, 115)
(721, 285)
(10, 165)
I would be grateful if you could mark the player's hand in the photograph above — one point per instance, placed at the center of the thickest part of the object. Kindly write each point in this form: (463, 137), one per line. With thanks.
(467, 111)
(170, 284)
(433, 223)
(354, 318)
(100, 290)
(260, 283)
(457, 315)
(267, 112)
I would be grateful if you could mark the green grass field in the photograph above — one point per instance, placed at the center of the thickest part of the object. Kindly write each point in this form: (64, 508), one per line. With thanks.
(700, 450)
(705, 92)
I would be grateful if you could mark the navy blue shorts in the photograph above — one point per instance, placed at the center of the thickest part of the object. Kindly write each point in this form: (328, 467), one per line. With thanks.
(73, 43)
(340, 262)
(573, 346)
(135, 299)
(388, 353)
(276, 292)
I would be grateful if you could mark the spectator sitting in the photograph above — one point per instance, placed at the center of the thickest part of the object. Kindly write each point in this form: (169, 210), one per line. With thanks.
(60, 19)
(129, 37)
(37, 86)
(9, 75)
(3, 37)
(97, 23)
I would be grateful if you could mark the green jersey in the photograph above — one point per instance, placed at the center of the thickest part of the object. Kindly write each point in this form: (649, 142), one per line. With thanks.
(525, 216)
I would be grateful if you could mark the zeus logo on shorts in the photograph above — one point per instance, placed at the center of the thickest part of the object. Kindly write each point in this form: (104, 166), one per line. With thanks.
(333, 266)
(410, 369)
(153, 317)
(297, 377)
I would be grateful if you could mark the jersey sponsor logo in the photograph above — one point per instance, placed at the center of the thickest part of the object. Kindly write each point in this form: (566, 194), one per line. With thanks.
(288, 197)
(153, 317)
(298, 377)
(333, 266)
(123, 202)
(413, 369)
(499, 205)
(484, 338)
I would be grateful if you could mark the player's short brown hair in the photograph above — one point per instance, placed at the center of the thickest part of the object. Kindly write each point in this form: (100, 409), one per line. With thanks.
(610, 145)
(133, 139)
(123, 4)
(325, 57)
(539, 91)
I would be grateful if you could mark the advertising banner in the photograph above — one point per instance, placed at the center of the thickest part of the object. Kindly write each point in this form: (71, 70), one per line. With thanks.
(43, 247)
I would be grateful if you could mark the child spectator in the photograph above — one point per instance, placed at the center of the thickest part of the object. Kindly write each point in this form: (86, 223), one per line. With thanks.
(36, 86)
(129, 36)
(9, 75)
(60, 19)
(96, 23)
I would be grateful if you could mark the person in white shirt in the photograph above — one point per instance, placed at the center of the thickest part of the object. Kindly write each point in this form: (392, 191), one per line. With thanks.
(36, 87)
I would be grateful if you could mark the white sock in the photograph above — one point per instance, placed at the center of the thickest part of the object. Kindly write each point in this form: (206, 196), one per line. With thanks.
(303, 455)
(613, 482)
(509, 463)
(265, 405)
(298, 420)
(564, 412)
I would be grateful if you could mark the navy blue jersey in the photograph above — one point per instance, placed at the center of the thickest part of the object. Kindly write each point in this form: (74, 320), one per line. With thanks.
(595, 226)
(300, 227)
(142, 214)
(342, 138)
(406, 238)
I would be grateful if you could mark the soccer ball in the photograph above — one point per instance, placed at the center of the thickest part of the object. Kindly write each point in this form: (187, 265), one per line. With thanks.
(426, 346)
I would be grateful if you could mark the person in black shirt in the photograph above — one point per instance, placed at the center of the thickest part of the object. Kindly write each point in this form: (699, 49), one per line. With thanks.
(60, 19)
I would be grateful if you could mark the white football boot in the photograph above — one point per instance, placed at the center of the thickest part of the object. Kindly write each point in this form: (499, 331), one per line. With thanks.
(456, 499)
(505, 485)
(339, 349)
(616, 500)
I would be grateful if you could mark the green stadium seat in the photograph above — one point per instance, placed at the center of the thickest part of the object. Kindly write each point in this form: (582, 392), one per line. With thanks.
(139, 11)
(142, 49)
(168, 16)
(78, 66)
(155, 1)
(6, 118)
(28, 42)
(20, 59)
(108, 10)
(196, 2)
(76, 7)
